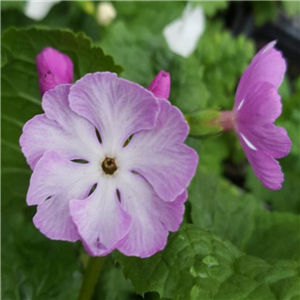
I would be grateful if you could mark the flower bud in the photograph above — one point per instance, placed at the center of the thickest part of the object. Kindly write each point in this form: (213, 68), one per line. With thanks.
(105, 13)
(160, 86)
(205, 122)
(53, 68)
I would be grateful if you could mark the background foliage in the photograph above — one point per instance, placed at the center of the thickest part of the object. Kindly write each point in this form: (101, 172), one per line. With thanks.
(239, 240)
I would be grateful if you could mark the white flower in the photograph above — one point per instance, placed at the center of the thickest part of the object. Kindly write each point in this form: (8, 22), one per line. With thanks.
(37, 10)
(105, 13)
(182, 34)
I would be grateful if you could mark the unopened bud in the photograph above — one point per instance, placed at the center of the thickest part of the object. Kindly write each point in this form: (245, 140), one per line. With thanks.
(160, 85)
(53, 68)
(105, 13)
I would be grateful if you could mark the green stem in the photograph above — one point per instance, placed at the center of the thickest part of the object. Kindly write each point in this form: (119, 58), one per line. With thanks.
(91, 276)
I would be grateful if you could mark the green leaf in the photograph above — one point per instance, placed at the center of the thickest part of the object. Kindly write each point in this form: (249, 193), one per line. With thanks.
(128, 49)
(210, 8)
(13, 4)
(264, 11)
(240, 218)
(64, 14)
(212, 151)
(196, 264)
(220, 53)
(143, 14)
(112, 285)
(188, 91)
(292, 8)
(36, 269)
(24, 45)
(275, 235)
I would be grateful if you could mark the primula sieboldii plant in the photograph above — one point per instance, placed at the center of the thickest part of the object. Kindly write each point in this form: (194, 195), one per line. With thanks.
(53, 68)
(257, 106)
(110, 167)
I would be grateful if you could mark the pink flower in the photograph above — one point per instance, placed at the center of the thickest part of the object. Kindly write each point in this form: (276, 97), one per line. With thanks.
(160, 86)
(257, 106)
(53, 68)
(110, 166)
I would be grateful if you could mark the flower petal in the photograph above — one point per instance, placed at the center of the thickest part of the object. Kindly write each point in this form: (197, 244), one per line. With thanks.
(267, 65)
(152, 218)
(54, 182)
(100, 219)
(117, 107)
(60, 130)
(269, 138)
(265, 167)
(160, 86)
(160, 156)
(260, 108)
(37, 10)
(182, 34)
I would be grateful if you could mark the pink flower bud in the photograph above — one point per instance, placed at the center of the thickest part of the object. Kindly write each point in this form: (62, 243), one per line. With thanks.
(53, 68)
(160, 86)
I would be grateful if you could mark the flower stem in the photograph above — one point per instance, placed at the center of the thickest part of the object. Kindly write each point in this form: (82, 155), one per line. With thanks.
(90, 278)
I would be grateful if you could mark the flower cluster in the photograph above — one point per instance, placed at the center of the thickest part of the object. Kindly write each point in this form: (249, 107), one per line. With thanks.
(110, 167)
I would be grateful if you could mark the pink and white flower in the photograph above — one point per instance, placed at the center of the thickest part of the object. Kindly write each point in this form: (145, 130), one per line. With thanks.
(53, 68)
(257, 106)
(110, 167)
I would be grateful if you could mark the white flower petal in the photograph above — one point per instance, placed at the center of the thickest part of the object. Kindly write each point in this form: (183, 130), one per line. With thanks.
(37, 10)
(182, 35)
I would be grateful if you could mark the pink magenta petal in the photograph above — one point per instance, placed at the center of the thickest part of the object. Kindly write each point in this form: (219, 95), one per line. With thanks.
(255, 118)
(160, 155)
(261, 140)
(160, 86)
(117, 107)
(53, 68)
(267, 65)
(152, 218)
(260, 106)
(265, 167)
(100, 219)
(59, 129)
(269, 138)
(54, 182)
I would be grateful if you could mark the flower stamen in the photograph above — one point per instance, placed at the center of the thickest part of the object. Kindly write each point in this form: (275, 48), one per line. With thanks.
(109, 166)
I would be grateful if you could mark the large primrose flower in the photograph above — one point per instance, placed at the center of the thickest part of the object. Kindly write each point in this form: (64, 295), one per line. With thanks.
(109, 166)
(257, 106)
